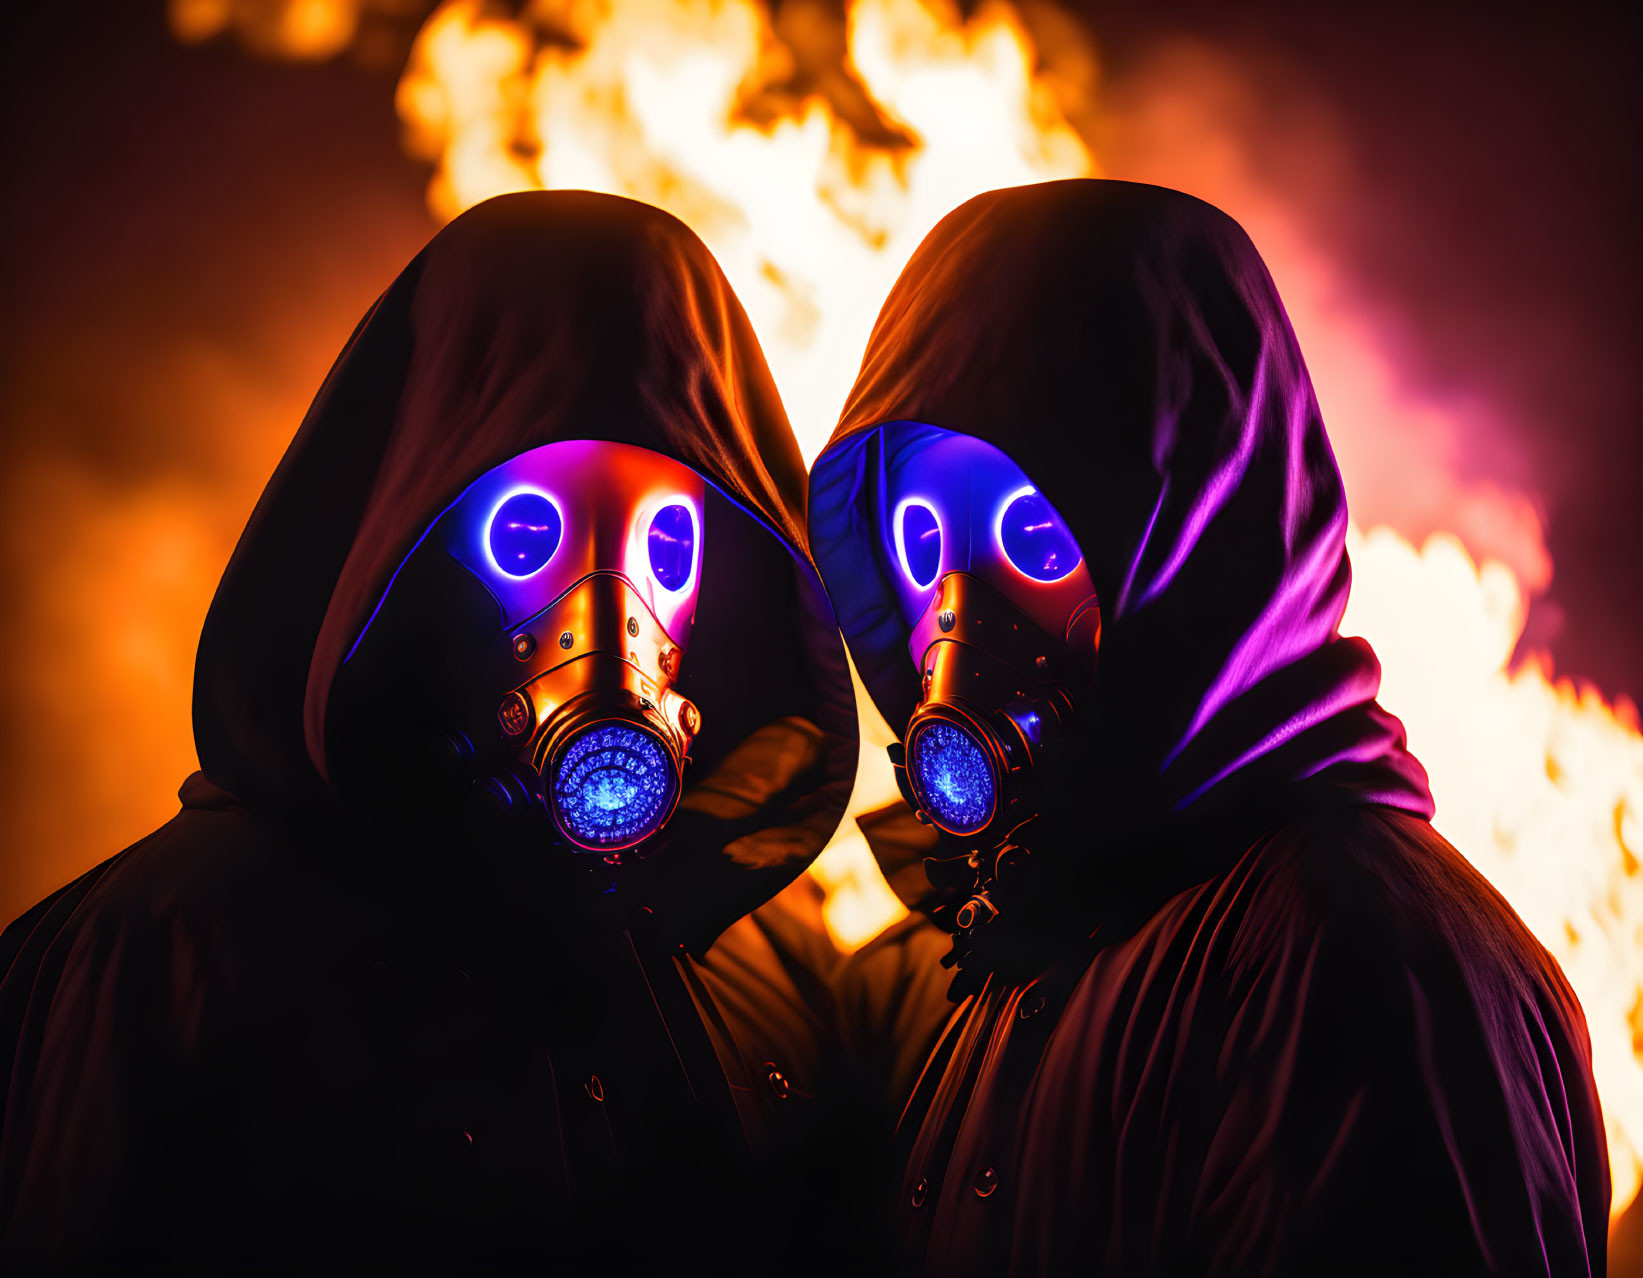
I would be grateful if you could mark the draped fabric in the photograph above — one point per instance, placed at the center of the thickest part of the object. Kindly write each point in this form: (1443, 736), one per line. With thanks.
(1342, 1054)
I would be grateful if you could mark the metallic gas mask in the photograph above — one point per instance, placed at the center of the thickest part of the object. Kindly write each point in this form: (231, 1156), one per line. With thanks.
(561, 702)
(1005, 628)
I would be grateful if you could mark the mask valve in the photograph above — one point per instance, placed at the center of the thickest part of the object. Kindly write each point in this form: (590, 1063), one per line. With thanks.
(996, 703)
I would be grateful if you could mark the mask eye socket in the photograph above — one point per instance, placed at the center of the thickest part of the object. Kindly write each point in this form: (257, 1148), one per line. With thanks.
(1035, 539)
(918, 541)
(672, 545)
(525, 531)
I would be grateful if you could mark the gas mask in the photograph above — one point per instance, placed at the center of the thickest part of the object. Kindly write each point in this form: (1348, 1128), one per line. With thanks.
(1005, 628)
(551, 608)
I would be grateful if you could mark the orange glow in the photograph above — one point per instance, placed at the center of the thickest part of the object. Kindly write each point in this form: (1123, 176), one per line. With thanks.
(298, 29)
(139, 562)
(682, 103)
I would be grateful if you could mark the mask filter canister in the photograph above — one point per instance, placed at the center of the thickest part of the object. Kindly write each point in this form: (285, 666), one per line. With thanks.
(952, 776)
(612, 785)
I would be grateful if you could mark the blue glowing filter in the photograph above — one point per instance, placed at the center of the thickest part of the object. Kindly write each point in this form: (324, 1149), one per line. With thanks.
(951, 775)
(672, 545)
(613, 786)
(524, 533)
(1036, 539)
(920, 543)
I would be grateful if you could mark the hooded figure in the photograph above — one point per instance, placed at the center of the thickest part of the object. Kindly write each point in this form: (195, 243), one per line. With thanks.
(362, 1000)
(1230, 1005)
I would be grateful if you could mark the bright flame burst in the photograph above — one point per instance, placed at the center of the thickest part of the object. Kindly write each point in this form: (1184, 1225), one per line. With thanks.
(1540, 785)
(644, 98)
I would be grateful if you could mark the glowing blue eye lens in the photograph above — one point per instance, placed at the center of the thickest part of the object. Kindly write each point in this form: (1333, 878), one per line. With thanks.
(1037, 540)
(524, 533)
(613, 786)
(920, 543)
(952, 779)
(672, 546)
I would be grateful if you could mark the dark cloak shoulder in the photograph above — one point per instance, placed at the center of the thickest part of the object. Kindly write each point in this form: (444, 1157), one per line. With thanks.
(1343, 1054)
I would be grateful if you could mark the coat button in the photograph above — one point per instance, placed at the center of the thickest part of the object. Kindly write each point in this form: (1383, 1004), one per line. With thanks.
(986, 1182)
(594, 1088)
(777, 1080)
(920, 1191)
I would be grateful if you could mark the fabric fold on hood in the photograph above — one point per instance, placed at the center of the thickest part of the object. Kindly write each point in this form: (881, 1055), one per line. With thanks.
(1126, 347)
(532, 319)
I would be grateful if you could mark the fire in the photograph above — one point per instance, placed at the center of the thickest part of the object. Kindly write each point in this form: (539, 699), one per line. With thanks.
(656, 99)
(813, 189)
(1539, 784)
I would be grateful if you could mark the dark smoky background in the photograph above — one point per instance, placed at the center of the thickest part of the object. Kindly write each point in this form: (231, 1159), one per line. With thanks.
(191, 230)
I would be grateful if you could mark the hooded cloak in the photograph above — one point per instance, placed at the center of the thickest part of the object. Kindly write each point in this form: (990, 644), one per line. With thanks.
(261, 1036)
(1275, 1022)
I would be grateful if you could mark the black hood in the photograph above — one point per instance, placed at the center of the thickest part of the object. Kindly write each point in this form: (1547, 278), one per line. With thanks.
(533, 319)
(1125, 346)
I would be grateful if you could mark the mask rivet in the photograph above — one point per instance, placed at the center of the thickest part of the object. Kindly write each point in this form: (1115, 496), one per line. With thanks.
(524, 646)
(690, 718)
(514, 714)
(947, 620)
(633, 627)
(566, 639)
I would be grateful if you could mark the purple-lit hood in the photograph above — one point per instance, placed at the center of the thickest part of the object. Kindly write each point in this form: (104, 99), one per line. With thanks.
(1126, 347)
(534, 319)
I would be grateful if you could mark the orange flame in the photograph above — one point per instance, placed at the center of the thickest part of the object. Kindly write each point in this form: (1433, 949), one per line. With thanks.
(670, 101)
(643, 99)
(300, 29)
(1540, 785)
